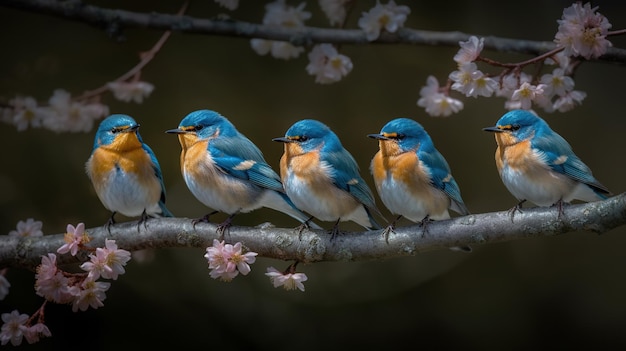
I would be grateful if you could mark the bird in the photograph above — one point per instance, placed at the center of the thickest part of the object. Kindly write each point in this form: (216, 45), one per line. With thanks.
(412, 177)
(125, 172)
(538, 165)
(322, 178)
(227, 172)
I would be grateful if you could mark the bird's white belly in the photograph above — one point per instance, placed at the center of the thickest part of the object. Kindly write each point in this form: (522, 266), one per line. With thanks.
(543, 187)
(400, 200)
(223, 192)
(327, 203)
(123, 193)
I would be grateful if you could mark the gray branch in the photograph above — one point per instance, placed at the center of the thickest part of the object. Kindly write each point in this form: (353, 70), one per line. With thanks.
(313, 246)
(316, 246)
(115, 19)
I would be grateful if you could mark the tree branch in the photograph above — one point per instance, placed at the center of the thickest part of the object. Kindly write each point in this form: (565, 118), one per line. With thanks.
(115, 18)
(315, 246)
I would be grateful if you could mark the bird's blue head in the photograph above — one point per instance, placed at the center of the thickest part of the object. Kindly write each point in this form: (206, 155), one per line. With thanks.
(402, 135)
(114, 127)
(311, 134)
(517, 125)
(203, 125)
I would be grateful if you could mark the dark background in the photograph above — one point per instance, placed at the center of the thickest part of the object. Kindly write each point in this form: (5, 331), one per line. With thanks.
(565, 291)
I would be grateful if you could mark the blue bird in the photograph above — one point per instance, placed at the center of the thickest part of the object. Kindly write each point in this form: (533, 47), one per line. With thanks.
(225, 171)
(412, 178)
(125, 172)
(538, 165)
(322, 178)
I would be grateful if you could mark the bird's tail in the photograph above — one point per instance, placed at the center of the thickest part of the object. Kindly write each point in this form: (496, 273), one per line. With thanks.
(374, 225)
(164, 211)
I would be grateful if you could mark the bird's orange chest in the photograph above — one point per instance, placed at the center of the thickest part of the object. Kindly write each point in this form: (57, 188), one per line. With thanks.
(124, 153)
(193, 153)
(516, 155)
(299, 162)
(401, 166)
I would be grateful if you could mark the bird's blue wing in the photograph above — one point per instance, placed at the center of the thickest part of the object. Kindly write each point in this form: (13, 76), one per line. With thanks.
(345, 175)
(558, 154)
(240, 158)
(157, 172)
(441, 177)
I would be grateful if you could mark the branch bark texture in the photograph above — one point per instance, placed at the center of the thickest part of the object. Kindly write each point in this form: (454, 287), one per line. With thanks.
(316, 246)
(114, 19)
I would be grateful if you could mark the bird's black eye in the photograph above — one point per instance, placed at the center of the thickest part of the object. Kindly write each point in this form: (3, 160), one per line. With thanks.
(116, 130)
(198, 127)
(394, 136)
(515, 127)
(303, 138)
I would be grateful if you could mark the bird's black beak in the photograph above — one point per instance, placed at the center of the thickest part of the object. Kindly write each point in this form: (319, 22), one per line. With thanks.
(175, 131)
(283, 140)
(378, 136)
(133, 128)
(493, 129)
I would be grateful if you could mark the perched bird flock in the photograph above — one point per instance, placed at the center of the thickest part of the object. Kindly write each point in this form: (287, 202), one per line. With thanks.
(320, 180)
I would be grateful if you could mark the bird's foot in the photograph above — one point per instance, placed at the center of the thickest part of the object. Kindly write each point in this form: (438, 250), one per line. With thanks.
(223, 227)
(203, 219)
(516, 208)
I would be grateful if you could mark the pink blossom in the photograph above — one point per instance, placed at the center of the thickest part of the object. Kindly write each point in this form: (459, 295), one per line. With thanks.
(33, 333)
(226, 261)
(29, 228)
(25, 112)
(335, 10)
(435, 102)
(569, 100)
(279, 14)
(73, 238)
(327, 65)
(470, 50)
(57, 288)
(289, 281)
(526, 94)
(557, 83)
(389, 17)
(107, 262)
(13, 327)
(582, 31)
(48, 267)
(131, 91)
(67, 115)
(91, 294)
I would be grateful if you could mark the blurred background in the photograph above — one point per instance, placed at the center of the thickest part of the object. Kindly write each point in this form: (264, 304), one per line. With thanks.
(543, 293)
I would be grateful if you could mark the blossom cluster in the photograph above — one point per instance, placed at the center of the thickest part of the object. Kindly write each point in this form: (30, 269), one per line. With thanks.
(29, 228)
(17, 326)
(582, 32)
(226, 261)
(81, 290)
(326, 64)
(62, 113)
(84, 290)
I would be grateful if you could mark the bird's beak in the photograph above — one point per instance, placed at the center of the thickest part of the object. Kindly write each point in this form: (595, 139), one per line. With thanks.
(134, 128)
(175, 131)
(283, 140)
(378, 136)
(493, 129)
